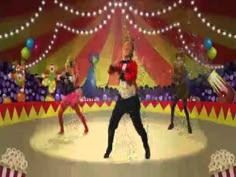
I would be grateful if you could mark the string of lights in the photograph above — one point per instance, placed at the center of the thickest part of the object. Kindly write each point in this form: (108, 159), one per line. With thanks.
(165, 29)
(27, 24)
(162, 11)
(150, 31)
(210, 25)
(83, 13)
(192, 55)
(115, 4)
(60, 25)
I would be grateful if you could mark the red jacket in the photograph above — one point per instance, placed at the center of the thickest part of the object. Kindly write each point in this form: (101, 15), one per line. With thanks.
(130, 74)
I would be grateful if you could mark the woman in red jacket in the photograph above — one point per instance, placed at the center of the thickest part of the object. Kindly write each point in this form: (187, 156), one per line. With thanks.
(128, 101)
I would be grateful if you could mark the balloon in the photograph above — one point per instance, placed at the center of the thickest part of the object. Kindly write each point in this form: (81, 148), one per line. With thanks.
(94, 60)
(25, 53)
(212, 53)
(30, 44)
(207, 43)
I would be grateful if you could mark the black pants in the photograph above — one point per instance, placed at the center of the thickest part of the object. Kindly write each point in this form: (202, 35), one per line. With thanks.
(132, 107)
(174, 103)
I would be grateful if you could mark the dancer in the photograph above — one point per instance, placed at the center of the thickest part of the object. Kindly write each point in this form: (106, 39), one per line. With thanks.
(181, 88)
(74, 94)
(128, 101)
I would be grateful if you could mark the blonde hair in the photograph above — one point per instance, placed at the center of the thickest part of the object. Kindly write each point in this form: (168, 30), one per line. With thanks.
(129, 40)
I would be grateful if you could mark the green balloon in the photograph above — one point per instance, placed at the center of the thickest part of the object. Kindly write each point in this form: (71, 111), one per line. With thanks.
(25, 53)
(94, 60)
(212, 53)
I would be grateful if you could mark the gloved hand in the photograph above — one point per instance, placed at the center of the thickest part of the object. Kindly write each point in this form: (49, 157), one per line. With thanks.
(122, 76)
(112, 68)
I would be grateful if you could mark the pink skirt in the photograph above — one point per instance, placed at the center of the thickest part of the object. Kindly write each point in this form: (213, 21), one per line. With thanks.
(72, 99)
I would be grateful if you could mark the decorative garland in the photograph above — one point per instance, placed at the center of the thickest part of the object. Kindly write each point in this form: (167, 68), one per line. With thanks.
(69, 29)
(210, 25)
(123, 6)
(212, 111)
(27, 24)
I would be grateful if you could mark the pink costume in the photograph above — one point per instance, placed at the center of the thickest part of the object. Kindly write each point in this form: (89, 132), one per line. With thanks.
(72, 100)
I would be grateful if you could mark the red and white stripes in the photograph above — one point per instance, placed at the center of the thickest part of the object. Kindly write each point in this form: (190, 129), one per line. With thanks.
(7, 172)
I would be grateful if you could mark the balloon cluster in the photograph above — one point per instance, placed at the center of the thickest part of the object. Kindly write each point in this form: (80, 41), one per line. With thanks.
(211, 51)
(14, 159)
(26, 51)
(221, 161)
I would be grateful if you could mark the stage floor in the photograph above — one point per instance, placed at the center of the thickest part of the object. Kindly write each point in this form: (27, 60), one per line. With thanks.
(174, 153)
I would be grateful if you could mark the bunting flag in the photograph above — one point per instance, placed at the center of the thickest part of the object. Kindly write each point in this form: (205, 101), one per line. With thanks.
(44, 107)
(164, 104)
(154, 103)
(37, 107)
(225, 108)
(19, 109)
(217, 108)
(27, 107)
(208, 107)
(90, 103)
(82, 103)
(108, 103)
(232, 109)
(180, 105)
(199, 106)
(191, 105)
(146, 103)
(10, 110)
(3, 110)
(100, 103)
(55, 105)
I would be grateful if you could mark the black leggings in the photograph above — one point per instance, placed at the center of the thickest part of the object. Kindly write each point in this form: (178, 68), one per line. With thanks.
(174, 102)
(132, 107)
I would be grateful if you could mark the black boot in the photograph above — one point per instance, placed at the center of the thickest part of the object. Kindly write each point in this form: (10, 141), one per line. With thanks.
(190, 129)
(146, 146)
(107, 154)
(171, 126)
(147, 153)
(111, 133)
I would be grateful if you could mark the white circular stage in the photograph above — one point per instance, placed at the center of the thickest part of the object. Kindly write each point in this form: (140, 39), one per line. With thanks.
(73, 145)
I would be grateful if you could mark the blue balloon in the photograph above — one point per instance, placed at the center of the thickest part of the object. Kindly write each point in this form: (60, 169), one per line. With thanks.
(30, 43)
(207, 43)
